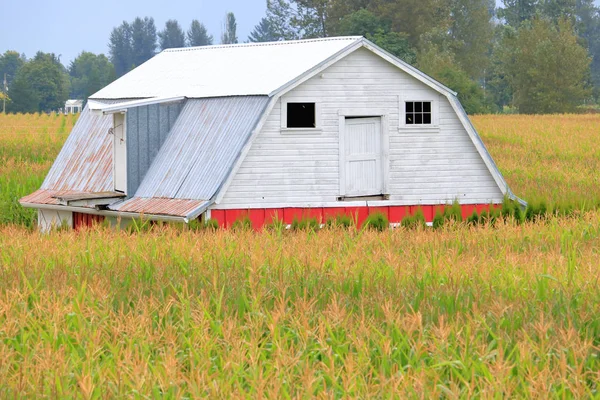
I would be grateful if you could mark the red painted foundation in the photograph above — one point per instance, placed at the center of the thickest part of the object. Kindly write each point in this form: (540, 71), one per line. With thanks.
(81, 220)
(395, 214)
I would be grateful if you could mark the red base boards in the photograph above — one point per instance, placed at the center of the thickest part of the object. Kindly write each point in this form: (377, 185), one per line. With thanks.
(262, 216)
(81, 220)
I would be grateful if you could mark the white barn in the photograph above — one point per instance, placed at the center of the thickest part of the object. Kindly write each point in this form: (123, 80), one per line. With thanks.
(269, 130)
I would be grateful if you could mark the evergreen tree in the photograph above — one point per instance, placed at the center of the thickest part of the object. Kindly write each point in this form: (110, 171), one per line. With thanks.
(120, 49)
(515, 12)
(143, 40)
(89, 73)
(263, 32)
(279, 14)
(197, 35)
(546, 68)
(229, 35)
(172, 36)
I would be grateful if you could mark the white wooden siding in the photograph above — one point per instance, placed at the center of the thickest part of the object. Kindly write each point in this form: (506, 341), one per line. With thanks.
(427, 165)
(50, 219)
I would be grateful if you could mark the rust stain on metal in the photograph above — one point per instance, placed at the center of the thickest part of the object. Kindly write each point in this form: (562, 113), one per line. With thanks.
(158, 206)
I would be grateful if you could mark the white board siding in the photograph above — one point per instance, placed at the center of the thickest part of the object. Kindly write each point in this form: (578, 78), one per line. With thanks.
(52, 219)
(427, 165)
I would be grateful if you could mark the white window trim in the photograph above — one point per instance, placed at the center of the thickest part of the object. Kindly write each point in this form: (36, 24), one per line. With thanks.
(435, 112)
(115, 155)
(317, 130)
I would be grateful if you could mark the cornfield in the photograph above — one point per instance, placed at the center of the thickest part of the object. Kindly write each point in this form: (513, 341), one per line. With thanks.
(509, 310)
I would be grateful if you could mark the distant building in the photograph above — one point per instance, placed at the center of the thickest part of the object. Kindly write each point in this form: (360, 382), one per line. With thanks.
(73, 106)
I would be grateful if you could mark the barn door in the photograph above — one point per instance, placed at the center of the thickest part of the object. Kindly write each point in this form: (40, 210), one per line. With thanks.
(363, 170)
(120, 153)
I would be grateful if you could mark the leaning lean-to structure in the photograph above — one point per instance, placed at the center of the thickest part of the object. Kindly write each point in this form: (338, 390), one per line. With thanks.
(269, 130)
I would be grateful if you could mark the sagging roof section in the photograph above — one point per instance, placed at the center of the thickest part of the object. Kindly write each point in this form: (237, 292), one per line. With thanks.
(202, 147)
(224, 70)
(158, 206)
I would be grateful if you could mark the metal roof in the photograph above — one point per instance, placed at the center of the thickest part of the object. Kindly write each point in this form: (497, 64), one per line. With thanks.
(158, 206)
(201, 148)
(84, 164)
(224, 70)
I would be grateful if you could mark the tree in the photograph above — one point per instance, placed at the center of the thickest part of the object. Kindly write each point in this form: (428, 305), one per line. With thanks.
(172, 36)
(42, 84)
(588, 28)
(515, 12)
(471, 34)
(416, 18)
(120, 49)
(89, 73)
(278, 14)
(197, 35)
(546, 68)
(555, 10)
(263, 32)
(229, 35)
(10, 64)
(23, 98)
(367, 24)
(312, 17)
(440, 64)
(143, 40)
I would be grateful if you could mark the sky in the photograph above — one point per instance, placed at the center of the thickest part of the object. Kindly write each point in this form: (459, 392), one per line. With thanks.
(69, 27)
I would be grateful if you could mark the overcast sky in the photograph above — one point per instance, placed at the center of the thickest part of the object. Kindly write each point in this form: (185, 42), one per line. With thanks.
(67, 28)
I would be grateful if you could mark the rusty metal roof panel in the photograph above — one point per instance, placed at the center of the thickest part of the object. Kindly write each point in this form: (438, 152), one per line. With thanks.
(49, 197)
(202, 147)
(158, 206)
(85, 163)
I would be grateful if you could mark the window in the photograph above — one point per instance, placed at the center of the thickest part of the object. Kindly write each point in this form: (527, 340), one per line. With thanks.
(301, 115)
(418, 113)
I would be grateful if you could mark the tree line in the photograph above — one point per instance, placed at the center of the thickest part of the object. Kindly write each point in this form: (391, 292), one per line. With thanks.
(528, 56)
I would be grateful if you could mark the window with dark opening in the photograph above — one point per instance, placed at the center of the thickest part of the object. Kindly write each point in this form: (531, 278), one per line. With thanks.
(418, 113)
(301, 115)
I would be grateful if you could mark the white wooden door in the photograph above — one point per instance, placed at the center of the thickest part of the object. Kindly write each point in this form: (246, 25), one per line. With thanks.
(363, 169)
(120, 153)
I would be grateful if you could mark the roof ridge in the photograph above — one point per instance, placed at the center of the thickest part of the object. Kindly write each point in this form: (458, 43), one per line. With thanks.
(262, 44)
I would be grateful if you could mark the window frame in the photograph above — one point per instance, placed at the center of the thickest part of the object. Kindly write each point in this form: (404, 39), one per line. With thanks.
(415, 113)
(419, 98)
(305, 131)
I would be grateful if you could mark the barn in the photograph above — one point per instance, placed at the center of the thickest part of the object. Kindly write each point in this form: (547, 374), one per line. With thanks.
(279, 130)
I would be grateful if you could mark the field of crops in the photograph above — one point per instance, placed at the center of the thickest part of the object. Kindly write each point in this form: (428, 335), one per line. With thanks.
(511, 310)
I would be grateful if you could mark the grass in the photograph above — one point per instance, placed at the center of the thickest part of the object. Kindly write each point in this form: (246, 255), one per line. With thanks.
(551, 158)
(29, 143)
(464, 310)
(458, 312)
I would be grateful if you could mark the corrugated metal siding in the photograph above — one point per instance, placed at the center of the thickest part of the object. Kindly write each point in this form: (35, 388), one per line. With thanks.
(202, 147)
(85, 162)
(157, 206)
(147, 129)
